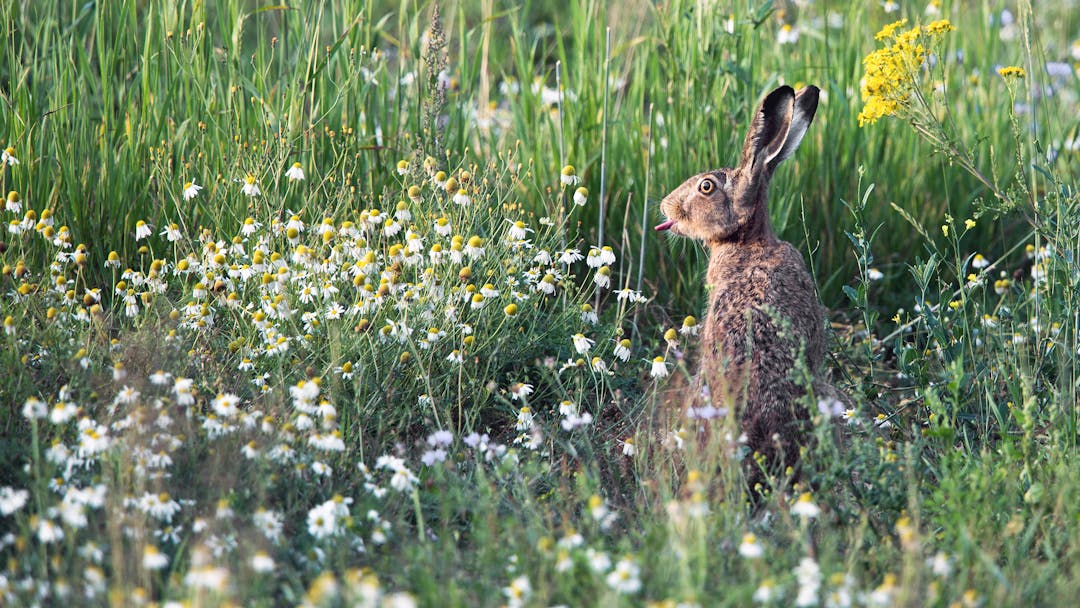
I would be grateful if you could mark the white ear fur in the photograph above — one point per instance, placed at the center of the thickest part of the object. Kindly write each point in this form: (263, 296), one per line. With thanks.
(806, 101)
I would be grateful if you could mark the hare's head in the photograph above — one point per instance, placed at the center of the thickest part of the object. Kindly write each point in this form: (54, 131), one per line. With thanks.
(730, 204)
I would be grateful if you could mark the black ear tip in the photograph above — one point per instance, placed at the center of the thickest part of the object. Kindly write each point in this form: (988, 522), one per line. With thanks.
(781, 92)
(807, 100)
(780, 95)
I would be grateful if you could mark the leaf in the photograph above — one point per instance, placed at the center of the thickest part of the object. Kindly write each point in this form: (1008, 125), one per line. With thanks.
(850, 292)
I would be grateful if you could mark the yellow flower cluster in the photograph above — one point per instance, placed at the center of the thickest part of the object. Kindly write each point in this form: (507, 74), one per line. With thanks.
(890, 72)
(1012, 71)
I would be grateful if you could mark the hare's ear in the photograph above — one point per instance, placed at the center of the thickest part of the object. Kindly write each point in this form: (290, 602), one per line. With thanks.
(768, 130)
(802, 115)
(778, 128)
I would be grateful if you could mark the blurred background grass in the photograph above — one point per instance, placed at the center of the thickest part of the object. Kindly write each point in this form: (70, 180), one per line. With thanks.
(122, 102)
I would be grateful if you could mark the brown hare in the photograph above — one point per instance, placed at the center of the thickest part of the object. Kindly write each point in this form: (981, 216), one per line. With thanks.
(763, 313)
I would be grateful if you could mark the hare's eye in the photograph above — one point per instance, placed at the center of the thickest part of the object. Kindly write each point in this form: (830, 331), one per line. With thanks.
(706, 186)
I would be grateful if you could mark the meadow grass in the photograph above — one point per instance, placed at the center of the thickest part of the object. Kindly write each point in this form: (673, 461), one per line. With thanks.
(357, 303)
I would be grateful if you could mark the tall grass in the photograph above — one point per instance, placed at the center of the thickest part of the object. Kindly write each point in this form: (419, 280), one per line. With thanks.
(392, 380)
(109, 83)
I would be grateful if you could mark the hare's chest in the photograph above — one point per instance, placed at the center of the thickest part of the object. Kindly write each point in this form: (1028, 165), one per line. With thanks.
(737, 302)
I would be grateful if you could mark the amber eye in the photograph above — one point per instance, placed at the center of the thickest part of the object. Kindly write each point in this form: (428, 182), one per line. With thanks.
(706, 186)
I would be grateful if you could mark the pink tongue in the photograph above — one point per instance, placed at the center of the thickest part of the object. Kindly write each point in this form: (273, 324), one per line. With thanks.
(665, 225)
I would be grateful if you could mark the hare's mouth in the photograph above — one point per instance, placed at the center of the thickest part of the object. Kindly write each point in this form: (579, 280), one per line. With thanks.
(665, 226)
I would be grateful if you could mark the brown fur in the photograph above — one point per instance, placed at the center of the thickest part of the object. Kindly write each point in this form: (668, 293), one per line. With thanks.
(763, 312)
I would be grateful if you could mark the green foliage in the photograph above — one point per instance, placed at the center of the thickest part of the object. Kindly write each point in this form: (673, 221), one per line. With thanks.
(393, 380)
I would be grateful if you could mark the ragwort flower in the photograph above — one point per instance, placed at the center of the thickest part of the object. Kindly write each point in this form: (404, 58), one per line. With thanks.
(892, 72)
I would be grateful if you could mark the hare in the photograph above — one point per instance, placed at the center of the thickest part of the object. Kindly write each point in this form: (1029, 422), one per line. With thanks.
(763, 311)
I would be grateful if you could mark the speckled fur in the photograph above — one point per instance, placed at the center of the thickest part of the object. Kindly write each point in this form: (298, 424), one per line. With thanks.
(763, 310)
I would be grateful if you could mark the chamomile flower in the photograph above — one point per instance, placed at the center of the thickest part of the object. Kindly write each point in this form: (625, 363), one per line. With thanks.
(750, 548)
(874, 274)
(729, 25)
(172, 233)
(391, 228)
(12, 500)
(570, 256)
(161, 506)
(979, 261)
(262, 563)
(520, 390)
(403, 480)
(518, 592)
(593, 259)
(524, 419)
(325, 520)
(518, 230)
(581, 196)
(142, 230)
(766, 592)
(804, 507)
(588, 314)
(689, 327)
(462, 197)
(13, 202)
(270, 523)
(628, 448)
(808, 574)
(659, 368)
(295, 173)
(602, 278)
(598, 508)
(787, 34)
(442, 226)
(8, 156)
(884, 594)
(251, 187)
(225, 405)
(622, 349)
(581, 343)
(48, 531)
(182, 388)
(191, 190)
(474, 248)
(940, 564)
(547, 284)
(34, 408)
(569, 176)
(574, 421)
(598, 561)
(626, 577)
(62, 412)
(153, 558)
